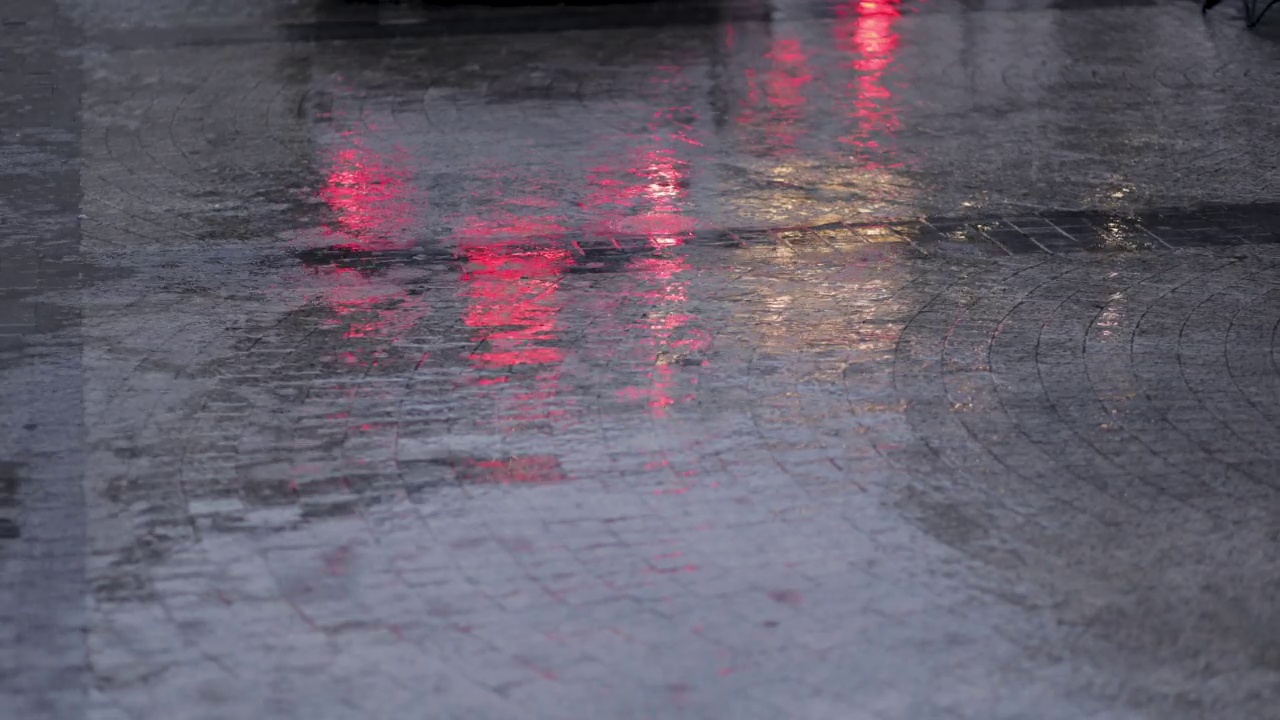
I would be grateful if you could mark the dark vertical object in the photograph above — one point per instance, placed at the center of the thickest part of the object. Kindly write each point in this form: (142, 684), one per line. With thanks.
(1252, 15)
(43, 585)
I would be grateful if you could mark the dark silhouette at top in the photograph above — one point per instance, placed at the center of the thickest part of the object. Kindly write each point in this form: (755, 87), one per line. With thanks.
(1252, 15)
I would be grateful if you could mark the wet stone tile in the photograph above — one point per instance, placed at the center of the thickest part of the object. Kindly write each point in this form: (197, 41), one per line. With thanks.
(725, 358)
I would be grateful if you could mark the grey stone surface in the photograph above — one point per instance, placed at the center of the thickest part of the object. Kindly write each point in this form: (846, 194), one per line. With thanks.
(44, 588)
(793, 359)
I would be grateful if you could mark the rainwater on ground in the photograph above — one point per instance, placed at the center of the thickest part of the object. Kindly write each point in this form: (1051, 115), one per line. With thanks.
(750, 359)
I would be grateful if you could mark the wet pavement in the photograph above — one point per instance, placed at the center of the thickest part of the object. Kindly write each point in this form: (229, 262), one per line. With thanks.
(741, 359)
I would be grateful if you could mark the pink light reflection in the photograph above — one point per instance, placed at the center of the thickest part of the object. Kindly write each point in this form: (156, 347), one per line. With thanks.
(513, 306)
(372, 200)
(780, 89)
(514, 267)
(373, 204)
(523, 470)
(665, 189)
(865, 31)
(670, 335)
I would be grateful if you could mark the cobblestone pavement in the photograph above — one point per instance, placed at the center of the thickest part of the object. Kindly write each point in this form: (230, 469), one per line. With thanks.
(803, 359)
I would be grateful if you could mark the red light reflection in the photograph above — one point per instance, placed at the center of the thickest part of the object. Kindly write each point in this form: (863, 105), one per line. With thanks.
(673, 340)
(514, 268)
(513, 305)
(664, 186)
(647, 193)
(781, 88)
(659, 283)
(865, 31)
(371, 197)
(373, 205)
(525, 470)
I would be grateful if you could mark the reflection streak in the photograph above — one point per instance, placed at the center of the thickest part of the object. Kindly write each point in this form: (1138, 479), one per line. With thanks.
(865, 31)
